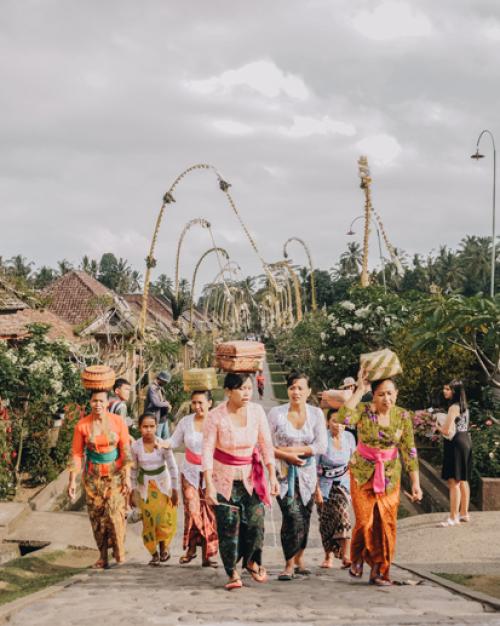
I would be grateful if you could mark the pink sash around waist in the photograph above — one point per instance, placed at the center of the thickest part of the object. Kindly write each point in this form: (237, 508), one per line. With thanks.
(192, 457)
(258, 476)
(377, 456)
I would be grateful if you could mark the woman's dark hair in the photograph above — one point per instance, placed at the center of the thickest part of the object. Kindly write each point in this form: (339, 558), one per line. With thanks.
(458, 394)
(203, 392)
(294, 376)
(376, 383)
(145, 416)
(235, 380)
(330, 413)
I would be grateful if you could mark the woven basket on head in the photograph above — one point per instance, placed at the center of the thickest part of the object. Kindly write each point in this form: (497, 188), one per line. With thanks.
(98, 377)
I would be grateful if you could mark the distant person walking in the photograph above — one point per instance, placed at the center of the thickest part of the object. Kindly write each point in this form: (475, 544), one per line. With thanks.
(157, 404)
(261, 381)
(457, 453)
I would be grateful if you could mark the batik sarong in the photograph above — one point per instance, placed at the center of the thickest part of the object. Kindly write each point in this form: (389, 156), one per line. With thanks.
(296, 520)
(200, 527)
(335, 519)
(374, 535)
(106, 506)
(159, 518)
(240, 526)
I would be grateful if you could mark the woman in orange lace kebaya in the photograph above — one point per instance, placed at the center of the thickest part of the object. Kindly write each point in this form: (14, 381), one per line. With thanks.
(101, 451)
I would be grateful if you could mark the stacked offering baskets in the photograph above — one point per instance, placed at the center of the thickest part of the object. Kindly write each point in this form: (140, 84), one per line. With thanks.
(200, 379)
(240, 356)
(98, 378)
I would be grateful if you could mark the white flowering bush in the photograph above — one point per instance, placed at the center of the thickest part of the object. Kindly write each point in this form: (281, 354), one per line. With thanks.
(38, 381)
(327, 345)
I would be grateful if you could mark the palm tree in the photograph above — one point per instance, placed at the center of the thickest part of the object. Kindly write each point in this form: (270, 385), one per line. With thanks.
(19, 267)
(64, 267)
(350, 262)
(475, 258)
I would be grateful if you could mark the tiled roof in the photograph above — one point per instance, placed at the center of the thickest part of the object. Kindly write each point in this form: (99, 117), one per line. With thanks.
(75, 297)
(158, 311)
(13, 325)
(9, 301)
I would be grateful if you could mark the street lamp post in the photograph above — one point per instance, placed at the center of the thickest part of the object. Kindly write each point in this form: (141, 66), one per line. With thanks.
(477, 155)
(350, 232)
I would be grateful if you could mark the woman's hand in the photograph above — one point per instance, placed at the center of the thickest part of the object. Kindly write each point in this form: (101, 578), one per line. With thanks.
(318, 497)
(416, 493)
(294, 459)
(72, 490)
(274, 486)
(175, 497)
(363, 383)
(211, 495)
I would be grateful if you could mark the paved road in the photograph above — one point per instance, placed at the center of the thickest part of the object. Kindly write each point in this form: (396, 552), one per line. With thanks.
(190, 595)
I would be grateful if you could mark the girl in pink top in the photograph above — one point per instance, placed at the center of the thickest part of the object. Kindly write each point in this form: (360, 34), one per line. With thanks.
(235, 482)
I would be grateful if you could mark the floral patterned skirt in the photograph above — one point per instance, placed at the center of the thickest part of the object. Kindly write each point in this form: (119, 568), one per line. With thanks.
(106, 506)
(295, 524)
(240, 526)
(200, 527)
(159, 518)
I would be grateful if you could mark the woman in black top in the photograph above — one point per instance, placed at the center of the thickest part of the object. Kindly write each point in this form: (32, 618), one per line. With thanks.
(457, 453)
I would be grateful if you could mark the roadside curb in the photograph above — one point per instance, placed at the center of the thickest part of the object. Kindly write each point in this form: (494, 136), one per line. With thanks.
(9, 609)
(483, 598)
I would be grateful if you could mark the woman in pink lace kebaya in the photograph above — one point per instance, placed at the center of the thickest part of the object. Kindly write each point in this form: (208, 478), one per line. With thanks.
(235, 481)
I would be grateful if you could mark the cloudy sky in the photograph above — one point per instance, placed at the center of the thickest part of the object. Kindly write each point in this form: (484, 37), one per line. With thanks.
(103, 104)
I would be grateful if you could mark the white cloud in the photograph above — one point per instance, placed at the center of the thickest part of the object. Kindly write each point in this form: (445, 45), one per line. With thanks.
(265, 77)
(231, 127)
(392, 20)
(492, 30)
(305, 126)
(381, 149)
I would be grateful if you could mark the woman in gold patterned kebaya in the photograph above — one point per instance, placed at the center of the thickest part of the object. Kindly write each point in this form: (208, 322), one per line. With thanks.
(385, 432)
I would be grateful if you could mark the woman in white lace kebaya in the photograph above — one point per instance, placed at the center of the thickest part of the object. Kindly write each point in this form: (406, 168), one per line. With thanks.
(299, 434)
(155, 477)
(200, 527)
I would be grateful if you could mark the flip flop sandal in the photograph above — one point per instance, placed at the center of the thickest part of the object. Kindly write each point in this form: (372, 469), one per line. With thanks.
(326, 565)
(186, 558)
(233, 584)
(303, 571)
(259, 575)
(346, 565)
(165, 557)
(210, 563)
(155, 562)
(100, 564)
(357, 572)
(286, 577)
(378, 581)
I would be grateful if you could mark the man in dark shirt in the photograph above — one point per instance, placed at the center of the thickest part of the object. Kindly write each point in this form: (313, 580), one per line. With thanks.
(156, 403)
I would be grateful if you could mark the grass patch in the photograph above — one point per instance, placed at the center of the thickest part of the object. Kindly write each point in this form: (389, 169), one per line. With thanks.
(484, 583)
(29, 574)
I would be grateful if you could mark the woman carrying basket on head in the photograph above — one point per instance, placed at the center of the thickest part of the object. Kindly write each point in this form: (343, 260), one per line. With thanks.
(385, 433)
